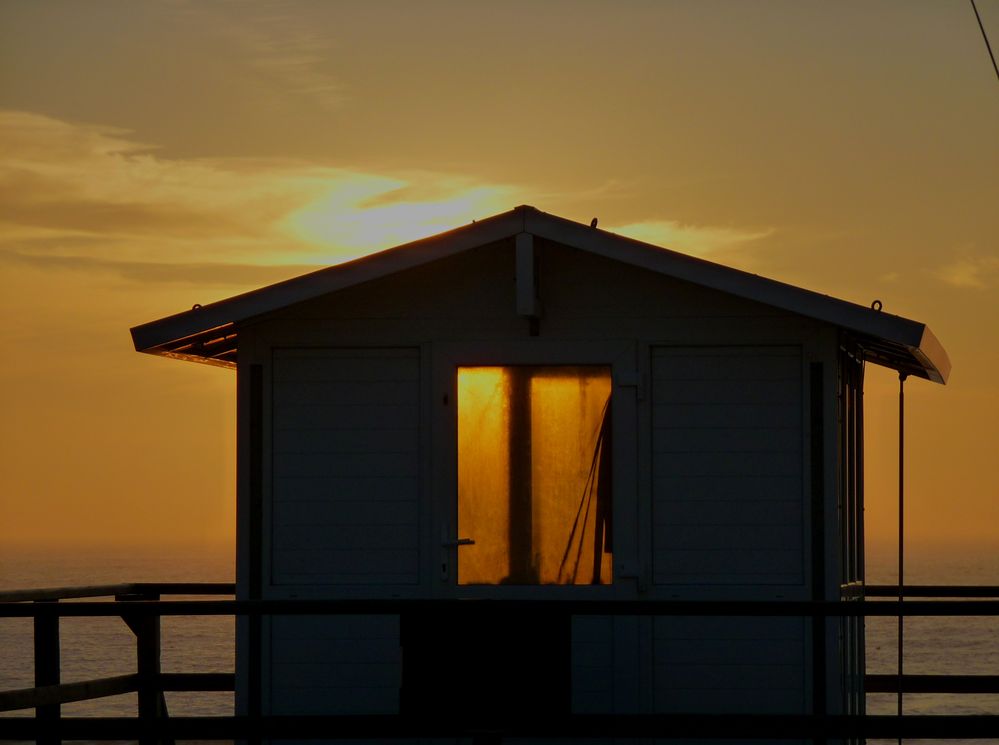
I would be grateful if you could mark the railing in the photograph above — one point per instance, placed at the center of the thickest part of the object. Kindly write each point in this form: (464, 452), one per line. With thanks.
(149, 682)
(141, 607)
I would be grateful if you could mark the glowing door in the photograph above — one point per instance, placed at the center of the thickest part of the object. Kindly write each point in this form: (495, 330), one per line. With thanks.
(534, 475)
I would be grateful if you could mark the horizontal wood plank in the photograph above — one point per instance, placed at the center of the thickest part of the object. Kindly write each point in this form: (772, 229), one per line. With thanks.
(719, 628)
(367, 488)
(727, 464)
(347, 465)
(359, 537)
(356, 416)
(752, 365)
(725, 562)
(344, 440)
(736, 537)
(335, 513)
(328, 627)
(729, 491)
(714, 392)
(320, 563)
(704, 440)
(692, 416)
(341, 393)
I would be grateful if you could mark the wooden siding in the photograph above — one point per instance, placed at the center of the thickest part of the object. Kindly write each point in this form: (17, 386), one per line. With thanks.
(335, 665)
(345, 467)
(729, 665)
(609, 654)
(727, 466)
(344, 512)
(720, 417)
(472, 297)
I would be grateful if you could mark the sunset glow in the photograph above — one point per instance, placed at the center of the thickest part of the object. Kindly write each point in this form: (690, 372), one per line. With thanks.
(360, 216)
(158, 155)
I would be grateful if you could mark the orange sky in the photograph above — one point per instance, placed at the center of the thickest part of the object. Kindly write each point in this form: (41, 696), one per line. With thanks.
(159, 154)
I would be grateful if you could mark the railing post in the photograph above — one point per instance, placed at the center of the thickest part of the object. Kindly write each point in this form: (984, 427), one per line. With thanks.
(152, 702)
(46, 668)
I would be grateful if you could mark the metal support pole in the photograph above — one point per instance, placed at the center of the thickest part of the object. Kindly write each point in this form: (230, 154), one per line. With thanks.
(901, 528)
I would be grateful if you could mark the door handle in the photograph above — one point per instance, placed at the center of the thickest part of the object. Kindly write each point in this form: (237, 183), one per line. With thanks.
(458, 542)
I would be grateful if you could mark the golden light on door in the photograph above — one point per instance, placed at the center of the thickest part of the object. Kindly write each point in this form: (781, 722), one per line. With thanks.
(534, 475)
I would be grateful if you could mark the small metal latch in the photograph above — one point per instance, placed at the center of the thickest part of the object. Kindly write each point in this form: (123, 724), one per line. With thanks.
(459, 542)
(631, 379)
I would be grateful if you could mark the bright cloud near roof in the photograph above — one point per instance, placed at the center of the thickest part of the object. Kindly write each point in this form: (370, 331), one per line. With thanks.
(359, 216)
(696, 240)
(90, 198)
(90, 194)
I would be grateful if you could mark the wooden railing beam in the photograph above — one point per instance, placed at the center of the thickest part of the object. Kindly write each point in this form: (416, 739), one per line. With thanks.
(932, 683)
(152, 703)
(144, 618)
(697, 727)
(64, 693)
(47, 666)
(86, 690)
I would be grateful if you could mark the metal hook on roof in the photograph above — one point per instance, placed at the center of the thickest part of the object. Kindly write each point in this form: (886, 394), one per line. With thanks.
(877, 305)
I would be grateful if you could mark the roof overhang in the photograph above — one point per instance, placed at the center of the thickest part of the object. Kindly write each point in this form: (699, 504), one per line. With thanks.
(209, 333)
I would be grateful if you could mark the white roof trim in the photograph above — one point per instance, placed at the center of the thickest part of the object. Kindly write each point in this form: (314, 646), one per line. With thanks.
(918, 351)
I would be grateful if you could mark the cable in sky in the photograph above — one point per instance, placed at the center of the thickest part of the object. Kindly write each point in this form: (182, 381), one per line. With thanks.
(986, 37)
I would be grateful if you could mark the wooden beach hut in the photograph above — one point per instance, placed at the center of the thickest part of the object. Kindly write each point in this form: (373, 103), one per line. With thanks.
(532, 409)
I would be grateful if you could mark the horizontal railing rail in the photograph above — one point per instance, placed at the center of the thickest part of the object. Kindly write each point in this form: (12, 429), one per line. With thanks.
(87, 690)
(141, 606)
(932, 683)
(395, 606)
(572, 726)
(123, 589)
(933, 591)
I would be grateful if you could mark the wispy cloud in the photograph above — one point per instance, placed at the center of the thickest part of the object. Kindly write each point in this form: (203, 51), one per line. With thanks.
(91, 198)
(77, 180)
(82, 193)
(190, 273)
(279, 43)
(971, 272)
(698, 240)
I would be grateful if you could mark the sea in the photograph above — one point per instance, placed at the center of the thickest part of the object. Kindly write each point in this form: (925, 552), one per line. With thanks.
(98, 647)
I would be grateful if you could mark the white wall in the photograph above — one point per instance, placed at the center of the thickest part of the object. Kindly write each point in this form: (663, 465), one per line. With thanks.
(718, 503)
(344, 511)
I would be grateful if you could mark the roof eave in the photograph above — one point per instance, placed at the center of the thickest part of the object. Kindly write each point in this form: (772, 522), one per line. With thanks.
(919, 352)
(213, 346)
(150, 337)
(899, 343)
(933, 357)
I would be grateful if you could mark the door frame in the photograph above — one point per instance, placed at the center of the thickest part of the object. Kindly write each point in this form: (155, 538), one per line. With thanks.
(621, 357)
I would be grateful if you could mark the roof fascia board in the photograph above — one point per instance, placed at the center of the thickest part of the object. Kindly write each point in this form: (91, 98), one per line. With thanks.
(147, 336)
(926, 351)
(725, 279)
(916, 337)
(933, 356)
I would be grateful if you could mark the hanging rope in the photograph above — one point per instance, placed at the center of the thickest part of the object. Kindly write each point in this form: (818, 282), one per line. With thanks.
(592, 485)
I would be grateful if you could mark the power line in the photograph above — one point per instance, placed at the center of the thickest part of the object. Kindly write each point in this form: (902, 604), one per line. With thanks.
(986, 37)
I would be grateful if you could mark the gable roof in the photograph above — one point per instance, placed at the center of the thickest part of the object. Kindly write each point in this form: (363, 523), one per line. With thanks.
(210, 334)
